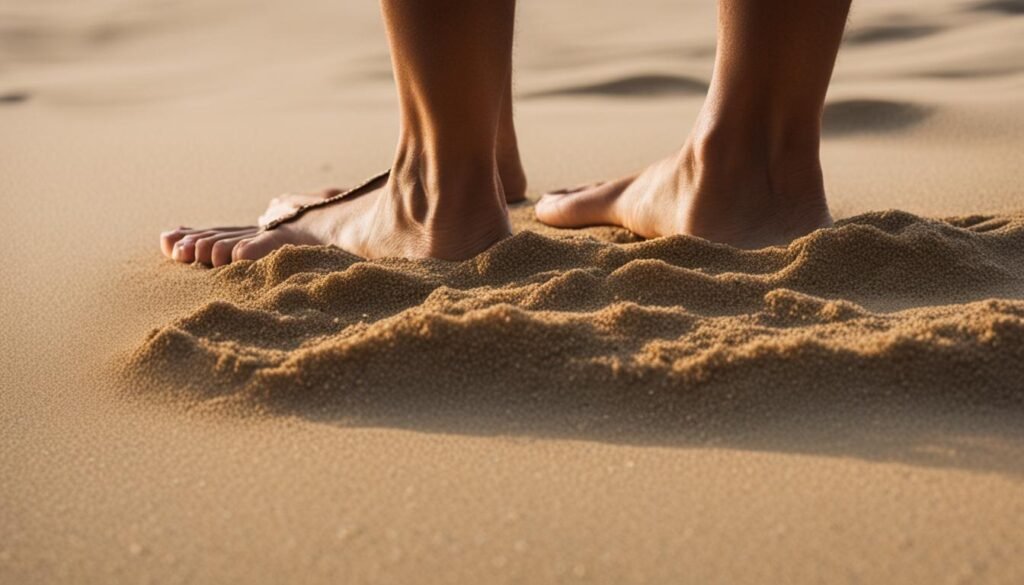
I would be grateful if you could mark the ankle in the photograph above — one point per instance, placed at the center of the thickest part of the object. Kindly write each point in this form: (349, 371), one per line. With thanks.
(752, 188)
(777, 165)
(442, 192)
(513, 177)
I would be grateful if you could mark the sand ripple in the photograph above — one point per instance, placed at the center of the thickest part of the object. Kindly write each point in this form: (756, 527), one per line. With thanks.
(882, 304)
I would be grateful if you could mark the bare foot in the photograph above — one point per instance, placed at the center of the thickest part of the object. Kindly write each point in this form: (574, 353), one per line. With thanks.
(703, 191)
(510, 171)
(398, 216)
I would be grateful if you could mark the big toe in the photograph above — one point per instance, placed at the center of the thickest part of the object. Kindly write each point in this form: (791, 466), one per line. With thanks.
(578, 207)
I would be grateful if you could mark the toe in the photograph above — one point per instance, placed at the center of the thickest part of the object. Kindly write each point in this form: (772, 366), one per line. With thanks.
(171, 237)
(586, 206)
(223, 249)
(205, 247)
(185, 248)
(258, 246)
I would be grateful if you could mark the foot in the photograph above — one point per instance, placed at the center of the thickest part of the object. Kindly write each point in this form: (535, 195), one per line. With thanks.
(510, 171)
(705, 192)
(400, 216)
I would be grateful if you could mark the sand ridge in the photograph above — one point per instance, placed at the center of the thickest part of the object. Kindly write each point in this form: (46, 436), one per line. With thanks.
(882, 303)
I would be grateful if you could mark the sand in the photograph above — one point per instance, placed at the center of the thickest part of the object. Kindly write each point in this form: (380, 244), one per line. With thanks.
(567, 406)
(615, 332)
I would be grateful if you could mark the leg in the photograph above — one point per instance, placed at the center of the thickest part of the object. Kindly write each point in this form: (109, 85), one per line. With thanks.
(510, 167)
(749, 173)
(444, 198)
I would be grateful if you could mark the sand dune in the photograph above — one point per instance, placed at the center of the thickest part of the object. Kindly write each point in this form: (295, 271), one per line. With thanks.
(888, 33)
(1000, 6)
(868, 116)
(636, 85)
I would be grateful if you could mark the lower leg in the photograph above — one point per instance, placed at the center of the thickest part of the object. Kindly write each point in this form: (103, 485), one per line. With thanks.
(443, 197)
(749, 174)
(510, 166)
(452, 61)
(763, 109)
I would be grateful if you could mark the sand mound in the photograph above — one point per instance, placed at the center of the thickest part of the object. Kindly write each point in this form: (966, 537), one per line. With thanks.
(883, 304)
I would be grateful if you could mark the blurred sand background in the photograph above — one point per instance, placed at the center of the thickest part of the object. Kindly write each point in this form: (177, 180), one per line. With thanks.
(120, 118)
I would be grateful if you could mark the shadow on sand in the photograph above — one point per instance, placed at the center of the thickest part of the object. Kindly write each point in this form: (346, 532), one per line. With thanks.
(651, 85)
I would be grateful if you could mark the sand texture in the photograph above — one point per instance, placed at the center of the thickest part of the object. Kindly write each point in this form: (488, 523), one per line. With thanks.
(569, 406)
(637, 333)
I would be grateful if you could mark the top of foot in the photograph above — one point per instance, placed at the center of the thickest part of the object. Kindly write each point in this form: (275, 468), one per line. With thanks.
(382, 220)
(679, 195)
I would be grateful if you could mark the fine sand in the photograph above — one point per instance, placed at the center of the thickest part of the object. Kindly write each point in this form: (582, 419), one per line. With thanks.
(569, 406)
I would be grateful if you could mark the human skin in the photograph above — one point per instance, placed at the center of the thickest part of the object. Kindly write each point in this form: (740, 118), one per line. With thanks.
(445, 196)
(748, 174)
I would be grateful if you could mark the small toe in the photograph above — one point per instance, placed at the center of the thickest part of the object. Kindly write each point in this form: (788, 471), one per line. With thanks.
(223, 249)
(205, 247)
(171, 237)
(184, 250)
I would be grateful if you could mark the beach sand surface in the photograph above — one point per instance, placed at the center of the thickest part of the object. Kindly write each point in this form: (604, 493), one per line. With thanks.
(569, 406)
